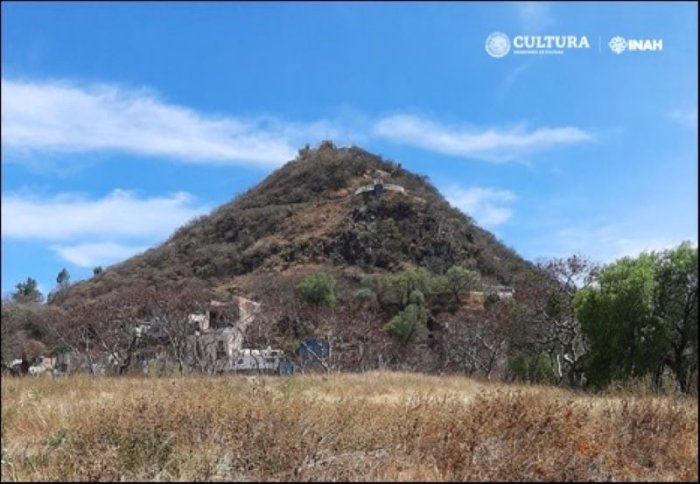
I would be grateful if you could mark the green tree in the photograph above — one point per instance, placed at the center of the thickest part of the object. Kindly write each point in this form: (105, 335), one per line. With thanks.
(409, 326)
(97, 270)
(617, 318)
(404, 283)
(519, 366)
(535, 369)
(379, 285)
(460, 280)
(642, 317)
(27, 292)
(62, 283)
(676, 304)
(541, 370)
(318, 289)
(63, 278)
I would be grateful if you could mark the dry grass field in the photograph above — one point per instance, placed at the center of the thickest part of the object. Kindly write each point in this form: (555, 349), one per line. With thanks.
(375, 426)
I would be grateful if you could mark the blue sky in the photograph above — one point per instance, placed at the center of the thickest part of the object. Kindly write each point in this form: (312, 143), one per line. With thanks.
(122, 121)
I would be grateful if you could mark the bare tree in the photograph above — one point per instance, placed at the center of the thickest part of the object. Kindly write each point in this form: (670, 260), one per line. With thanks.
(169, 314)
(547, 302)
(477, 340)
(28, 330)
(108, 325)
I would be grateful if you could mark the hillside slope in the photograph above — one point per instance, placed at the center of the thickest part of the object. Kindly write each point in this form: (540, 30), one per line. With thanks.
(306, 214)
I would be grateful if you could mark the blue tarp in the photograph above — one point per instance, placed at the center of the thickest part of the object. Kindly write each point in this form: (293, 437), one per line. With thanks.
(307, 349)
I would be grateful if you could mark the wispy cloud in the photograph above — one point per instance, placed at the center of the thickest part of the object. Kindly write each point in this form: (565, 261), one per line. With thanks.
(686, 117)
(607, 242)
(534, 17)
(97, 253)
(119, 214)
(63, 117)
(56, 118)
(489, 207)
(509, 81)
(96, 231)
(494, 145)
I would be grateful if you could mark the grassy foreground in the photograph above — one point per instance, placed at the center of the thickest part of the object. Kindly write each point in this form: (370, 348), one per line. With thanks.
(375, 426)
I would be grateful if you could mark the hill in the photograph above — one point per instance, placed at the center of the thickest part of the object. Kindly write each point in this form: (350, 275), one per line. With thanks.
(304, 216)
(386, 236)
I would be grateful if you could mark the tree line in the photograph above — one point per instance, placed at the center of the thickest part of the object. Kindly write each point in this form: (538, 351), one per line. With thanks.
(569, 322)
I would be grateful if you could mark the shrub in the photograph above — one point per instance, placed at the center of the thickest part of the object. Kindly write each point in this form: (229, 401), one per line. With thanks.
(405, 283)
(318, 289)
(416, 297)
(365, 296)
(491, 299)
(409, 326)
(541, 370)
(537, 369)
(461, 280)
(518, 366)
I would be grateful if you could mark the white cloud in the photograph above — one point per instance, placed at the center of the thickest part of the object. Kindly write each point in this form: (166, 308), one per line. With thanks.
(534, 17)
(495, 145)
(94, 254)
(608, 242)
(487, 206)
(60, 117)
(119, 214)
(90, 232)
(686, 117)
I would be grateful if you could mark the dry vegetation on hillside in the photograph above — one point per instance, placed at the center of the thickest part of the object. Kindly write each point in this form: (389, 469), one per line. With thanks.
(376, 426)
(304, 214)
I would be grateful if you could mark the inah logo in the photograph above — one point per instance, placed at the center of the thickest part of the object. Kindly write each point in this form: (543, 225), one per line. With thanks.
(618, 45)
(497, 44)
